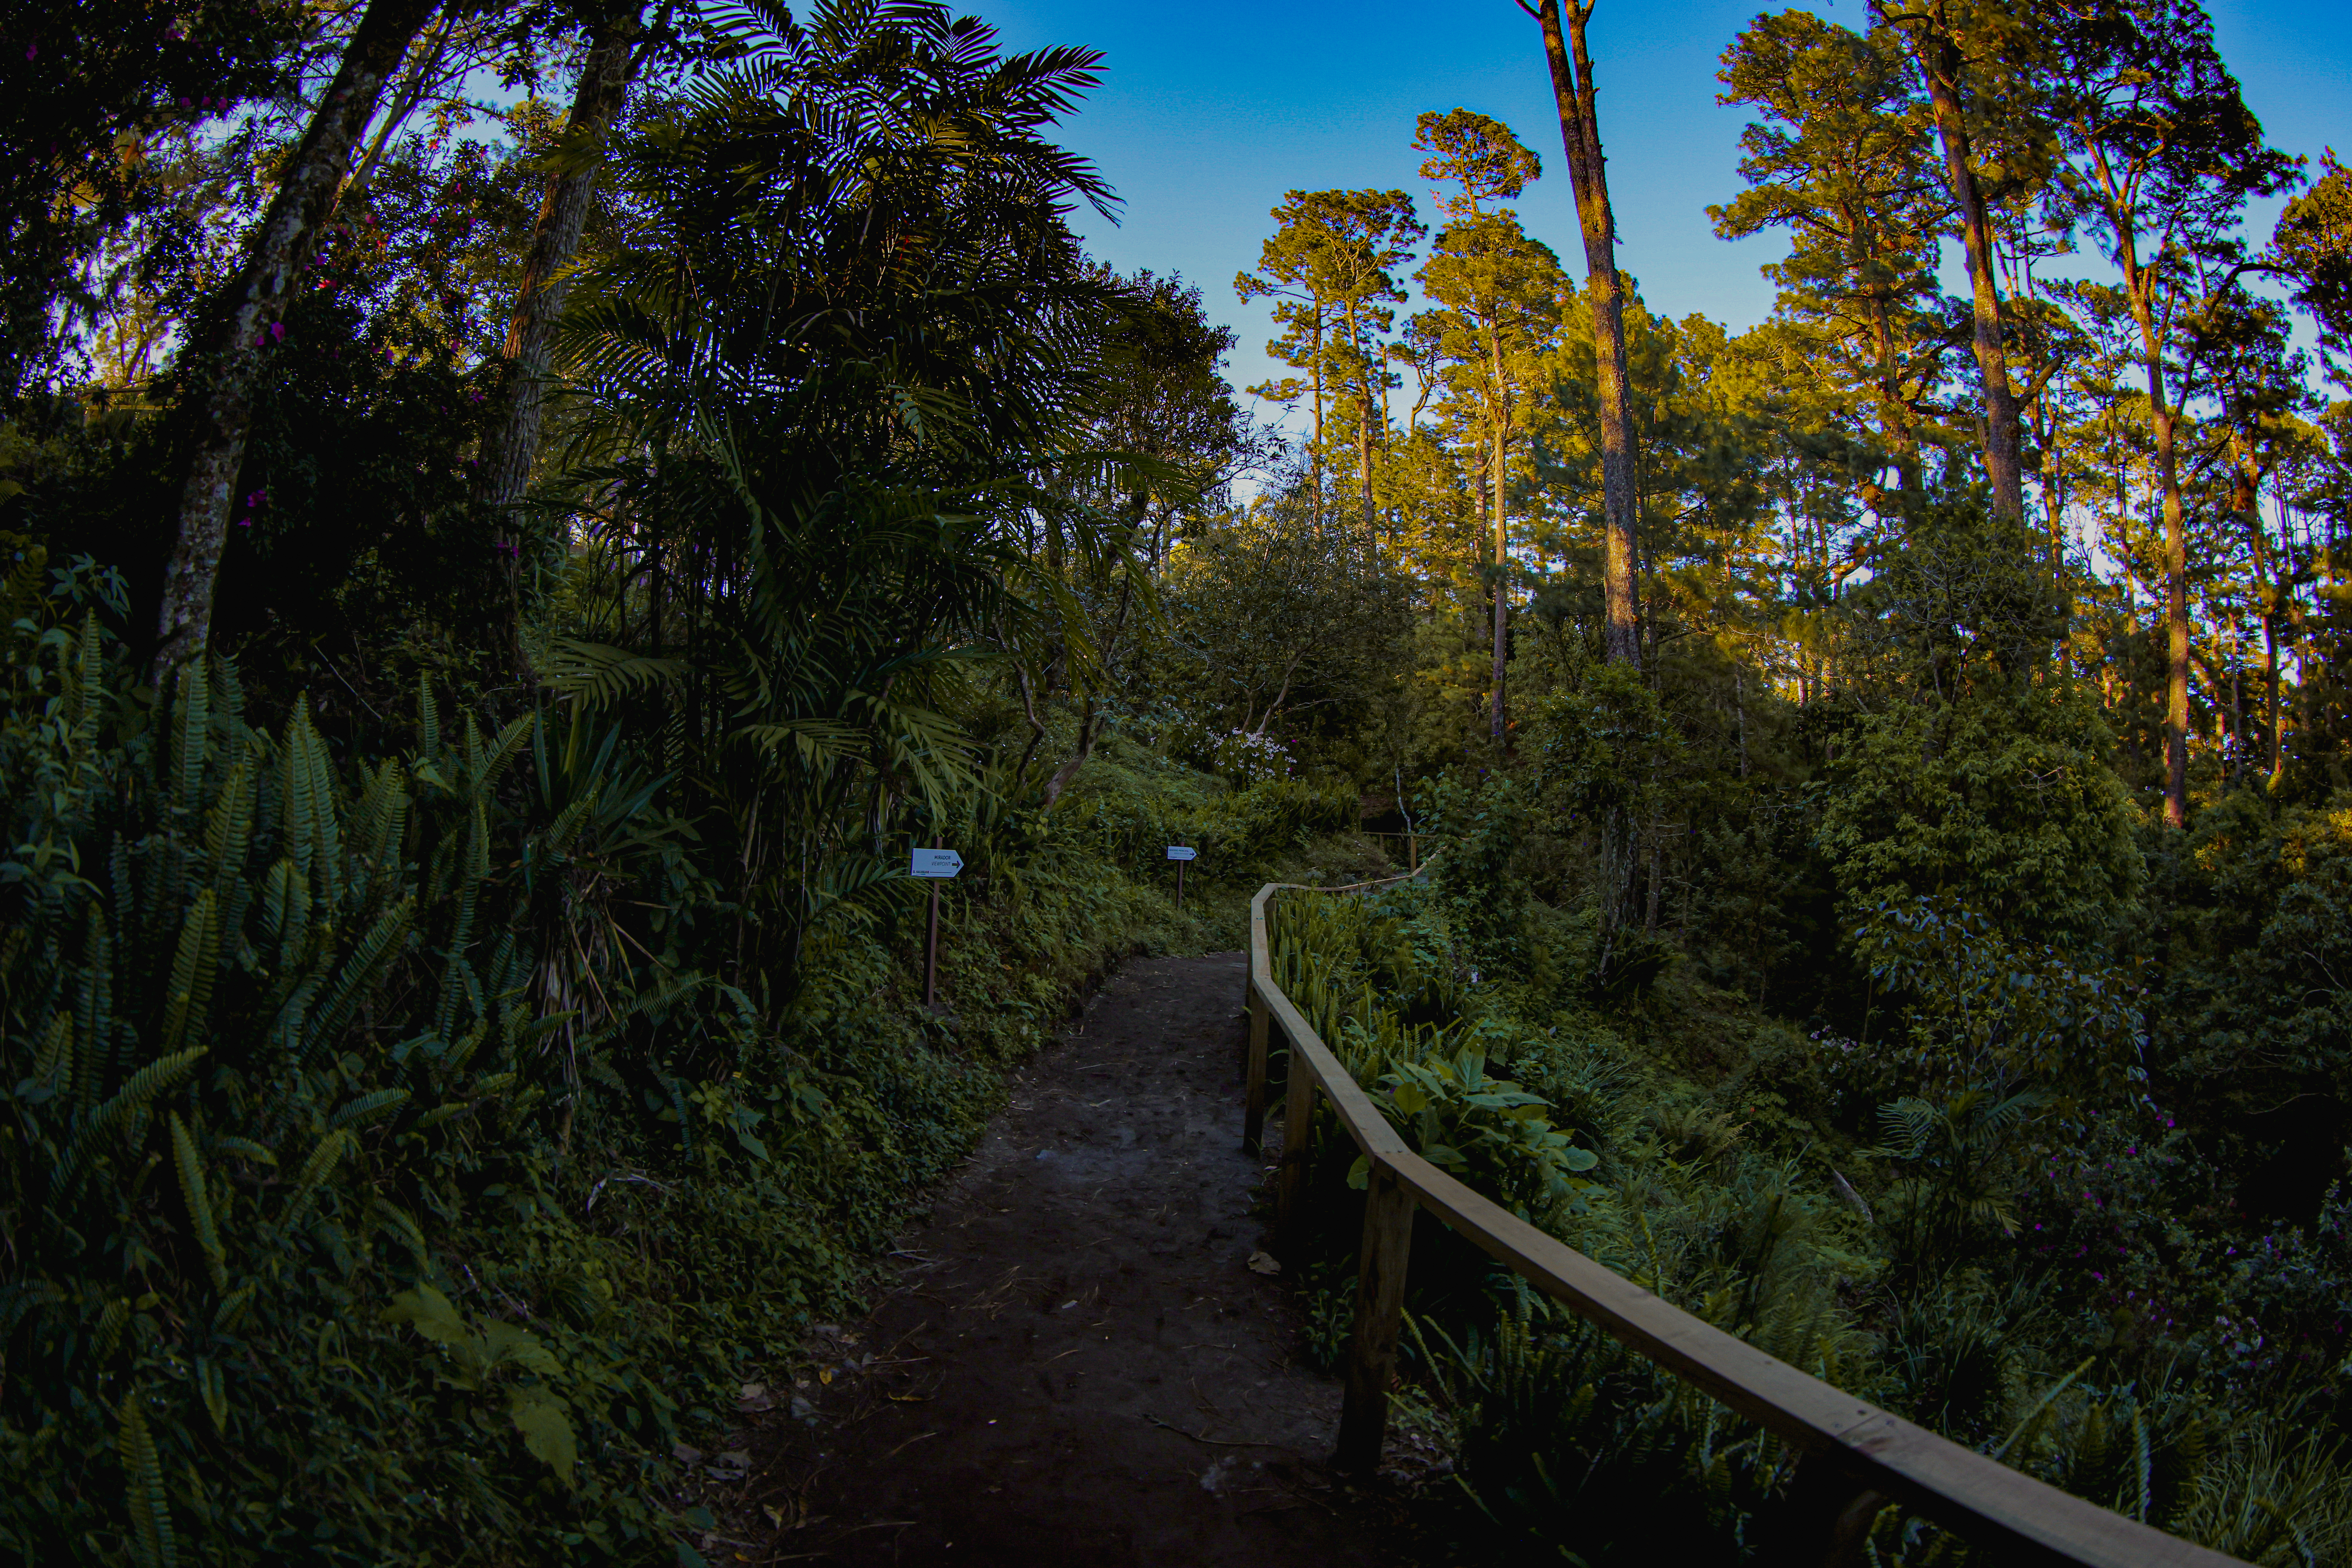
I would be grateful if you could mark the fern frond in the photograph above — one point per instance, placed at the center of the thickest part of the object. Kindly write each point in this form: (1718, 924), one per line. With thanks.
(228, 826)
(286, 1029)
(596, 675)
(441, 1113)
(94, 1007)
(209, 1386)
(191, 1167)
(463, 1051)
(528, 1035)
(461, 935)
(317, 1169)
(357, 976)
(192, 738)
(55, 1054)
(652, 999)
(228, 698)
(111, 1324)
(143, 1475)
(231, 1311)
(297, 802)
(493, 761)
(559, 834)
(188, 997)
(382, 816)
(368, 1108)
(318, 775)
(428, 719)
(89, 681)
(402, 1227)
(285, 912)
(132, 1099)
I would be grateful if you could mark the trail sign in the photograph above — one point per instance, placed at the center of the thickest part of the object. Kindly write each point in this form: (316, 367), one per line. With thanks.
(1179, 853)
(935, 863)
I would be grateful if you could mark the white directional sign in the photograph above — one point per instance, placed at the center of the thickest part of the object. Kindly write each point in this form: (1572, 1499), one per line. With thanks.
(935, 863)
(1180, 852)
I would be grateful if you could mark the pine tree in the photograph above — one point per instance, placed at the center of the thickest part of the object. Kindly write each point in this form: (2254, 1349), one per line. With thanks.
(1499, 294)
(2163, 155)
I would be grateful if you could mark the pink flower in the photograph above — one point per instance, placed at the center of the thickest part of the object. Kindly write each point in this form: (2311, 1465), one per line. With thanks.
(32, 49)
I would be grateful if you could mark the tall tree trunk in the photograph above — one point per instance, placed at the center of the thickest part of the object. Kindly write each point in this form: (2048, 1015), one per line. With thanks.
(2053, 492)
(2271, 680)
(1579, 134)
(2138, 288)
(1502, 584)
(2237, 710)
(510, 442)
(2175, 618)
(1894, 413)
(1315, 462)
(1937, 50)
(1364, 429)
(2277, 584)
(252, 305)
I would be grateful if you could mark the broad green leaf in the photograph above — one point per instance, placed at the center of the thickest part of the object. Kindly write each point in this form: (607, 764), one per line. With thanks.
(430, 1311)
(546, 1429)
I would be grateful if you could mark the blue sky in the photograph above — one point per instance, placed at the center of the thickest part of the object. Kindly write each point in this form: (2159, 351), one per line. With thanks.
(1209, 111)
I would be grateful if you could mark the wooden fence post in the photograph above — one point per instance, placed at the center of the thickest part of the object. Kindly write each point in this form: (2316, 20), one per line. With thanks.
(1823, 1519)
(1254, 1094)
(1297, 1117)
(1389, 1207)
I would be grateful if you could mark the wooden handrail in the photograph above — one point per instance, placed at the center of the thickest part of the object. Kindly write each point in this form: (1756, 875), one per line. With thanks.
(1875, 1457)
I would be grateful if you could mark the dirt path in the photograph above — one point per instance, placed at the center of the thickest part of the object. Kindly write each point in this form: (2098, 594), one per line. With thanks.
(1079, 1367)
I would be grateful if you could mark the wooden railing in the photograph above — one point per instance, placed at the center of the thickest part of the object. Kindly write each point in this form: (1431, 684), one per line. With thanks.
(1856, 1458)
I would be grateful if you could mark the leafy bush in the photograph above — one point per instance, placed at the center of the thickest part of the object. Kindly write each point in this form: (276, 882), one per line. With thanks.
(1248, 758)
(1942, 1294)
(1127, 804)
(266, 1044)
(2003, 802)
(335, 1091)
(1975, 1005)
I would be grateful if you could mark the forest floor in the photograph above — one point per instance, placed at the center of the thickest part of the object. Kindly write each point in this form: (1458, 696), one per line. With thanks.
(1077, 1365)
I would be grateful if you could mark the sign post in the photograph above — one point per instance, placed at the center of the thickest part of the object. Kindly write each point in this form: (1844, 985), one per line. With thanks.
(1180, 854)
(938, 865)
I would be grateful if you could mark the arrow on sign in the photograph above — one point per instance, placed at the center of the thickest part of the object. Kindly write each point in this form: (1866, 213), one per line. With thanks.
(1181, 852)
(935, 863)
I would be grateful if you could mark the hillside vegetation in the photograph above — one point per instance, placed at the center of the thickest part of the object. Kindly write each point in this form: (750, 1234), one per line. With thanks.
(493, 595)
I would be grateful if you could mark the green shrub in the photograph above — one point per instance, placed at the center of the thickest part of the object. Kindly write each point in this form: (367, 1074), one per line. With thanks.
(372, 1205)
(270, 1047)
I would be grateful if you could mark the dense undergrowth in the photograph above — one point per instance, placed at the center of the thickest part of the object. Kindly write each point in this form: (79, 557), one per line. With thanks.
(335, 1239)
(2037, 1284)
